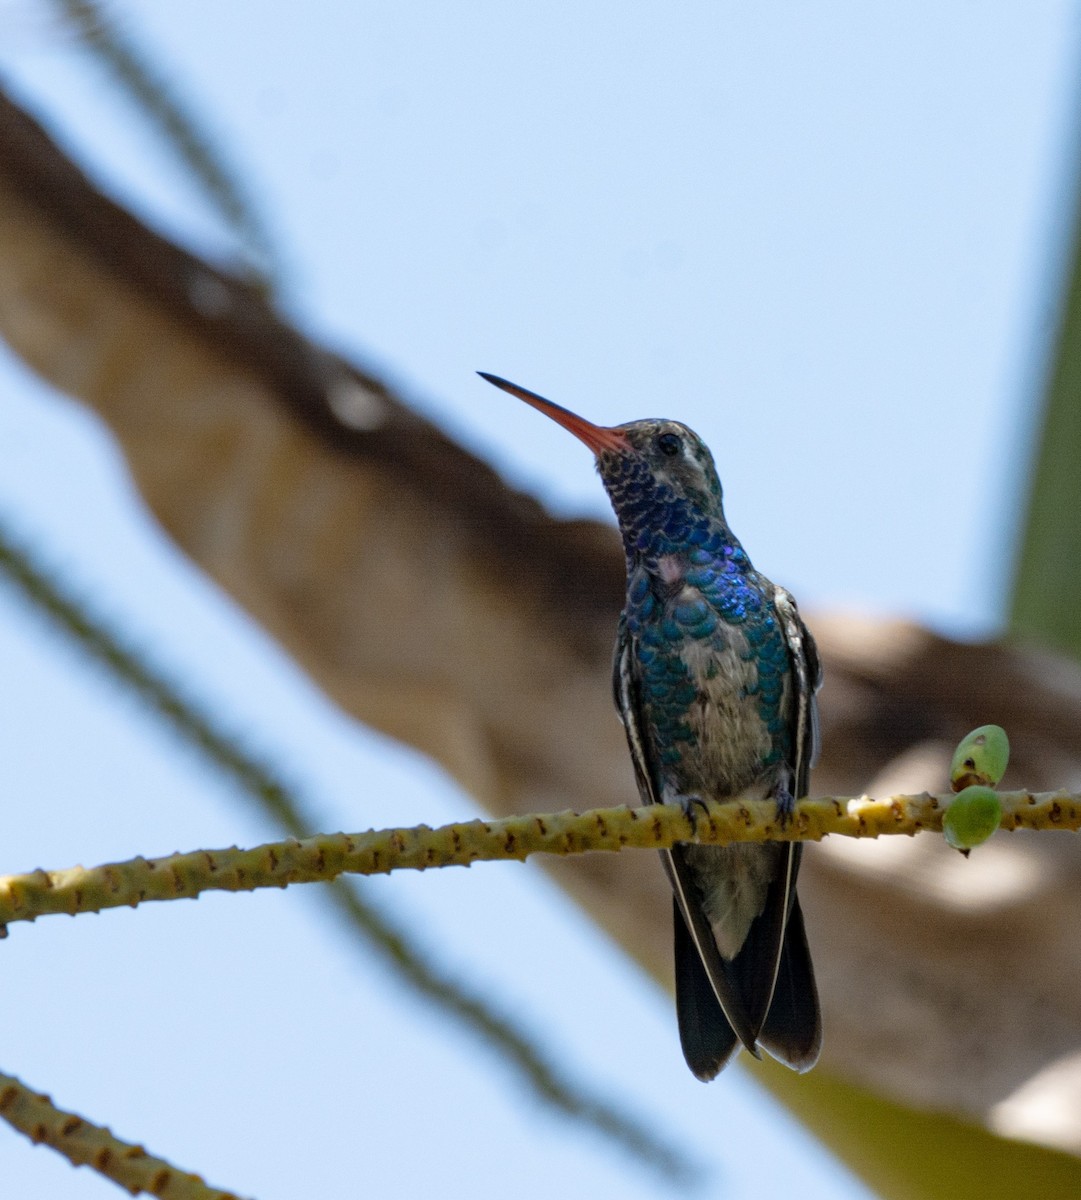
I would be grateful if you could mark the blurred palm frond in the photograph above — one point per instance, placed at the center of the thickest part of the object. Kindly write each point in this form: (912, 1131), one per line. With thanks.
(160, 103)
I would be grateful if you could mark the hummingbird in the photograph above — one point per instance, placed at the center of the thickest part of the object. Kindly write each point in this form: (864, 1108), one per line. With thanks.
(714, 679)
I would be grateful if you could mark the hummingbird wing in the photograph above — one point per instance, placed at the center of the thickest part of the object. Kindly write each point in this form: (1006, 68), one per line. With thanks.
(713, 1017)
(792, 1030)
(807, 677)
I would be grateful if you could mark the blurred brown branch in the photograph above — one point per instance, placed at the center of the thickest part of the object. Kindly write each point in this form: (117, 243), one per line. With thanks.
(104, 35)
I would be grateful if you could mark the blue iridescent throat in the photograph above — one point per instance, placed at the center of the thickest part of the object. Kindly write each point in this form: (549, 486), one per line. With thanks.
(731, 611)
(656, 521)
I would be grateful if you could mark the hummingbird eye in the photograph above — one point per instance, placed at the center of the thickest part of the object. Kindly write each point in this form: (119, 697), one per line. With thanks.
(669, 444)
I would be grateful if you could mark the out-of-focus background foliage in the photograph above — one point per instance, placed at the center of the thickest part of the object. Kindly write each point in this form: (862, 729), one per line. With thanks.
(249, 260)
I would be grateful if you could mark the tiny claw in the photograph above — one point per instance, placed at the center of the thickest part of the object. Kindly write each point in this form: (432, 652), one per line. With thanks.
(690, 803)
(786, 805)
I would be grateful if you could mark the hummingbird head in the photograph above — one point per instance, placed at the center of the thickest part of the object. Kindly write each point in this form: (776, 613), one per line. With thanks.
(675, 457)
(641, 463)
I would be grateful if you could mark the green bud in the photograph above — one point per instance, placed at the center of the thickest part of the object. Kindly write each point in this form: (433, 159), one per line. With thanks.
(980, 758)
(973, 815)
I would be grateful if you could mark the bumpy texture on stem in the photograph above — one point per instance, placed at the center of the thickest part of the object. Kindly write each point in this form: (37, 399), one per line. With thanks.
(85, 1144)
(325, 857)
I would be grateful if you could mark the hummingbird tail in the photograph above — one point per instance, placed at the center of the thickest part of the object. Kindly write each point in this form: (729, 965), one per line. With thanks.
(708, 1040)
(792, 1032)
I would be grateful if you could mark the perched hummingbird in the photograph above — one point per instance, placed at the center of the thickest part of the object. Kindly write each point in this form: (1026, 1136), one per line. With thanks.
(714, 678)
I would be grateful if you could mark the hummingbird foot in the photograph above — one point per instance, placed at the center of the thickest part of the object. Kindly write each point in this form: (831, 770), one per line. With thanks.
(786, 805)
(690, 806)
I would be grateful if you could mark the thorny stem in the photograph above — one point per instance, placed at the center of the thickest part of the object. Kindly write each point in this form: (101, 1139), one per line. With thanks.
(85, 1144)
(326, 856)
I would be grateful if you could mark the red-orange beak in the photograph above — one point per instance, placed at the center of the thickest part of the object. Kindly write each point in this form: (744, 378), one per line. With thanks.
(596, 437)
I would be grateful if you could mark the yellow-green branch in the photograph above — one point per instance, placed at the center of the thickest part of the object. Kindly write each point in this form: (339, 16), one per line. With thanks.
(325, 857)
(84, 1144)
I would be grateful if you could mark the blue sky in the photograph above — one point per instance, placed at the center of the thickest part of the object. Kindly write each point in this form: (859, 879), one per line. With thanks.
(829, 237)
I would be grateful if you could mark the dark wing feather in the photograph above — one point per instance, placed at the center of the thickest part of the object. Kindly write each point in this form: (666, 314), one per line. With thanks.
(628, 704)
(707, 1038)
(793, 1028)
(753, 973)
(792, 1031)
(807, 677)
(693, 935)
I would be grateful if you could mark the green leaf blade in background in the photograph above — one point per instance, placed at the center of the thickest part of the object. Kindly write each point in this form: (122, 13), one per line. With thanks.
(1045, 606)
